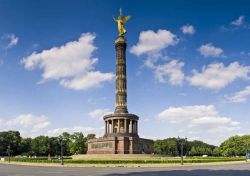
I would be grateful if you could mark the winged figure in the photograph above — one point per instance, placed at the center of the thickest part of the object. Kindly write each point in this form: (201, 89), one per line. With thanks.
(120, 22)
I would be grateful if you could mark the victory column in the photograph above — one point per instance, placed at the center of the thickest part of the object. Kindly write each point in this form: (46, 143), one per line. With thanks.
(121, 128)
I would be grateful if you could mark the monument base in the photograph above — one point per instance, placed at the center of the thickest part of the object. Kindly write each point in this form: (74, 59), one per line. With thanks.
(120, 145)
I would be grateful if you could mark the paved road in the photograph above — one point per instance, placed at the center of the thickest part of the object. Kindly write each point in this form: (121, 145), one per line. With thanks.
(215, 170)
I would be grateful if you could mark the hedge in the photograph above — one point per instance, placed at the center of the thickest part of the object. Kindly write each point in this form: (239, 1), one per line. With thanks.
(126, 161)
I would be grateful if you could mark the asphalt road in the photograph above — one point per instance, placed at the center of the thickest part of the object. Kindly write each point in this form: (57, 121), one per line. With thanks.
(214, 170)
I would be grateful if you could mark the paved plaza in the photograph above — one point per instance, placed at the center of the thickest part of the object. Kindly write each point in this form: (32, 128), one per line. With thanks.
(208, 170)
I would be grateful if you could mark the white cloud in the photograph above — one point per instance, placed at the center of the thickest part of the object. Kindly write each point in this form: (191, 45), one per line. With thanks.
(99, 113)
(85, 82)
(151, 42)
(239, 21)
(188, 29)
(203, 118)
(218, 76)
(72, 64)
(240, 96)
(170, 72)
(10, 40)
(208, 50)
(29, 122)
(244, 53)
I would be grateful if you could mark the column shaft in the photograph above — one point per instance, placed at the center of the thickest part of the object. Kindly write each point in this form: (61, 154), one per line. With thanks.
(130, 126)
(121, 80)
(118, 126)
(125, 125)
(133, 126)
(108, 127)
(112, 126)
(136, 127)
(105, 127)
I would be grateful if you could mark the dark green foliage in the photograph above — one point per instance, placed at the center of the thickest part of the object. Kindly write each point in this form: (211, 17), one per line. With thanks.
(40, 146)
(76, 143)
(166, 147)
(236, 146)
(12, 139)
(126, 161)
(43, 145)
(199, 148)
(172, 147)
(91, 136)
(25, 146)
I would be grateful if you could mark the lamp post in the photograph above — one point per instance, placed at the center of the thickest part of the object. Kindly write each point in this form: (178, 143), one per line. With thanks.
(181, 142)
(8, 150)
(247, 152)
(61, 142)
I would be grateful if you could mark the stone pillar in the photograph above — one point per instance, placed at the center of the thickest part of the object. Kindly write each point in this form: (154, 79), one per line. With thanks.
(121, 80)
(130, 126)
(106, 127)
(136, 126)
(112, 126)
(133, 126)
(118, 131)
(125, 125)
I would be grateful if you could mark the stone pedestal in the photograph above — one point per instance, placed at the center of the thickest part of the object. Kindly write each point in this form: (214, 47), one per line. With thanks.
(120, 145)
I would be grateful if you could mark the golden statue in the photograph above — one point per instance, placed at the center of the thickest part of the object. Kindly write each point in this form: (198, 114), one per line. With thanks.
(121, 21)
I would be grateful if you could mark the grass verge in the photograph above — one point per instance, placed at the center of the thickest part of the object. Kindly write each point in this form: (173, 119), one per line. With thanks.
(127, 161)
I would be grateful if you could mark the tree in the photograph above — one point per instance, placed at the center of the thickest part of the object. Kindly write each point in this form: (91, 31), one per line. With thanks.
(91, 136)
(55, 146)
(65, 138)
(40, 146)
(172, 147)
(78, 145)
(12, 139)
(25, 146)
(235, 145)
(166, 147)
(199, 148)
(217, 151)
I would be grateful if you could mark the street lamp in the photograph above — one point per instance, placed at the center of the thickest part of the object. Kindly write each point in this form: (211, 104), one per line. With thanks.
(181, 142)
(247, 153)
(8, 150)
(61, 143)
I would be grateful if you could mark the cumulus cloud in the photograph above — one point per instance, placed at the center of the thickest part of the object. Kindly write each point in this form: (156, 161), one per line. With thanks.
(208, 50)
(72, 64)
(239, 21)
(85, 82)
(188, 29)
(28, 122)
(153, 42)
(170, 72)
(240, 96)
(200, 117)
(99, 113)
(9, 40)
(218, 76)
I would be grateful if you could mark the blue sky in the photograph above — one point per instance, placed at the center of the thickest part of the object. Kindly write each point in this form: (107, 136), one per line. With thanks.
(188, 67)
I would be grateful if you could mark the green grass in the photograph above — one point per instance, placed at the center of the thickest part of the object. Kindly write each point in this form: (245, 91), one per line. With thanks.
(128, 161)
